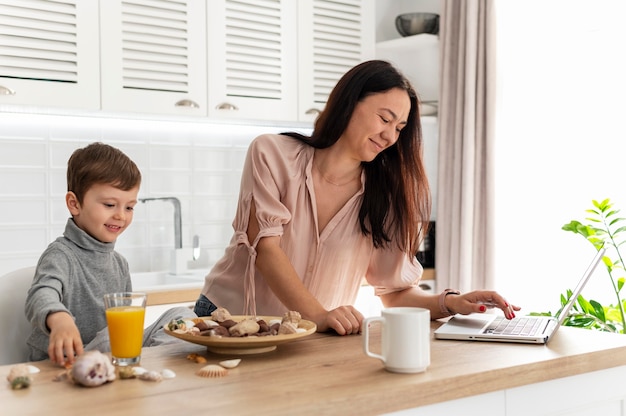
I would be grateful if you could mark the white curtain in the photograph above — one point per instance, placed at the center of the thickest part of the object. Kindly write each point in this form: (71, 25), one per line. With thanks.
(465, 202)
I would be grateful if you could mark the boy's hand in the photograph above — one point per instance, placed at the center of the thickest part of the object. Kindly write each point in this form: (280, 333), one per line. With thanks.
(65, 341)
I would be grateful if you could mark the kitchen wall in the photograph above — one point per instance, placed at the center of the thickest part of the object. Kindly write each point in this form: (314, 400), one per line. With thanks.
(196, 161)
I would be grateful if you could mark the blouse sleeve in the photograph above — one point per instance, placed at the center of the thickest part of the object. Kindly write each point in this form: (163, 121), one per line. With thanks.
(261, 182)
(391, 270)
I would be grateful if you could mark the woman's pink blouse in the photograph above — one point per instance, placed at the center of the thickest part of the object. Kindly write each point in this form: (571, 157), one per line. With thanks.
(277, 179)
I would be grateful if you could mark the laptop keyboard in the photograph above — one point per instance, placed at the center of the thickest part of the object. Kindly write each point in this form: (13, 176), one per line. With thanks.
(516, 326)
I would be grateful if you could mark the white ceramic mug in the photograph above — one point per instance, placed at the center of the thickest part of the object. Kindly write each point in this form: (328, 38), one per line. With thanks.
(405, 339)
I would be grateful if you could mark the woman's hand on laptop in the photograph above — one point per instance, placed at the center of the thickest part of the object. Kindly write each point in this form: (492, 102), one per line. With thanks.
(478, 301)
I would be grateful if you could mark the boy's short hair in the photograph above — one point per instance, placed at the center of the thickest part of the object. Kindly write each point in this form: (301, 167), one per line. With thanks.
(99, 163)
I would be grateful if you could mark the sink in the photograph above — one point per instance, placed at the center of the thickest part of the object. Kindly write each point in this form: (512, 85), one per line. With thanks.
(150, 281)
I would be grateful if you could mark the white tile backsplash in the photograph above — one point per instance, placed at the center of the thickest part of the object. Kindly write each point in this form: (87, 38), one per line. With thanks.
(198, 162)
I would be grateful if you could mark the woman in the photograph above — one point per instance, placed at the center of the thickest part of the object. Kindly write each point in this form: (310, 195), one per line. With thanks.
(318, 214)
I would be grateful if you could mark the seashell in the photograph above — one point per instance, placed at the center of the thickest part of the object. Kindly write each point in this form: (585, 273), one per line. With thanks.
(151, 376)
(168, 374)
(212, 371)
(287, 328)
(177, 324)
(273, 322)
(126, 373)
(228, 323)
(196, 358)
(218, 331)
(221, 315)
(19, 377)
(92, 369)
(292, 316)
(137, 371)
(32, 369)
(230, 363)
(204, 324)
(246, 327)
(264, 327)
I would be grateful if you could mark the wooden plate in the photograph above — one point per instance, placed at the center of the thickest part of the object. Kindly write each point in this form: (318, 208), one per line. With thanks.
(246, 345)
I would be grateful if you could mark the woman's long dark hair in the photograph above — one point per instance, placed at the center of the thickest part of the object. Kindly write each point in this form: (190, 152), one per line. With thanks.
(396, 203)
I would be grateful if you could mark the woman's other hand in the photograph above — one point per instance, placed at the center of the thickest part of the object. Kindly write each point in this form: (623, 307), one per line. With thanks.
(478, 301)
(344, 320)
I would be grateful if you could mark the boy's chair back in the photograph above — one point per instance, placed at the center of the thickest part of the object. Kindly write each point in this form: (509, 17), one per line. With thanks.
(14, 327)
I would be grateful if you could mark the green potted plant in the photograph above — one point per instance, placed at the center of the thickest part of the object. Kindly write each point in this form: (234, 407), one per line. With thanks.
(602, 227)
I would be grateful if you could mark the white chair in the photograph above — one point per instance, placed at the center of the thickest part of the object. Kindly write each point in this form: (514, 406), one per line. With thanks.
(14, 327)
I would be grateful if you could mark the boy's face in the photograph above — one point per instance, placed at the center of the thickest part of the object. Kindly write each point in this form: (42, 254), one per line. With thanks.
(106, 211)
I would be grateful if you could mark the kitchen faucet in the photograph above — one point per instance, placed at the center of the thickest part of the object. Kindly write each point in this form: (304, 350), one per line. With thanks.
(178, 236)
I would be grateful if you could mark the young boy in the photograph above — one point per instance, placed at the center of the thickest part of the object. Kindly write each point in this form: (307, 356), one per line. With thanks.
(65, 302)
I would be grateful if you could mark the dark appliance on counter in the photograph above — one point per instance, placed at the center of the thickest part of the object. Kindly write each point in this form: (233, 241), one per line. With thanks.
(426, 253)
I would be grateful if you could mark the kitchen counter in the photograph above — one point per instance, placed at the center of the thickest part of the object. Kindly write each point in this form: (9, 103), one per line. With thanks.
(164, 288)
(323, 374)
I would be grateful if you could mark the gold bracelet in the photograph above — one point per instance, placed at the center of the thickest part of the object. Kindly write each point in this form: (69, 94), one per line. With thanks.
(442, 301)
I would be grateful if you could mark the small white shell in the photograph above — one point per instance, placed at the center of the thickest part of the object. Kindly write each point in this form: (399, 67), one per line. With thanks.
(212, 371)
(151, 376)
(32, 369)
(230, 363)
(167, 373)
(138, 371)
(210, 323)
(274, 321)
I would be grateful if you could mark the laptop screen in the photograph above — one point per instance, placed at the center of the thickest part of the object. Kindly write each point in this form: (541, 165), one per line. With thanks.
(564, 312)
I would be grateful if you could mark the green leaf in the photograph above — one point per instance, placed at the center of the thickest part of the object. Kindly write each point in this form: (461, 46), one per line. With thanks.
(598, 310)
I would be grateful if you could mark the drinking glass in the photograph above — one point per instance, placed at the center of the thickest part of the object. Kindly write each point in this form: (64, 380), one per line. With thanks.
(125, 312)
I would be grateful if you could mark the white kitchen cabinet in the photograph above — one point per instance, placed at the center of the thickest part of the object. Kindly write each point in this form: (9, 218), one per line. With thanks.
(273, 60)
(332, 38)
(252, 68)
(153, 56)
(48, 53)
(279, 60)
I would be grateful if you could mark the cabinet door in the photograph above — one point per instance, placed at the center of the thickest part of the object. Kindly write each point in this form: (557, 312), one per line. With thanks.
(154, 56)
(333, 37)
(252, 59)
(49, 53)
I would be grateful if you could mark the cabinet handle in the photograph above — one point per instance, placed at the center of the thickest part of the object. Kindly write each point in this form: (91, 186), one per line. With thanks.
(187, 103)
(226, 106)
(6, 90)
(312, 112)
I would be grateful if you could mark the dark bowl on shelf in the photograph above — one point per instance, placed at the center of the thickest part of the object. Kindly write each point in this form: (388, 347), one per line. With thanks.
(409, 24)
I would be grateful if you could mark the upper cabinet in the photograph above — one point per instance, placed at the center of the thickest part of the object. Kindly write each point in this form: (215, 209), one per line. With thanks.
(153, 56)
(279, 60)
(253, 71)
(49, 53)
(272, 60)
(332, 38)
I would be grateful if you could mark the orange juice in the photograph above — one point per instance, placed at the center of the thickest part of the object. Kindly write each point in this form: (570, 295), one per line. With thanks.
(125, 330)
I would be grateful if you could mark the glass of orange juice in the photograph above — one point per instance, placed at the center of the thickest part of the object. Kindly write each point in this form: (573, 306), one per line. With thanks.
(125, 313)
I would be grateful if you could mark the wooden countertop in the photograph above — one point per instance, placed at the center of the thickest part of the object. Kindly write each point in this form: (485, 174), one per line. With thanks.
(320, 374)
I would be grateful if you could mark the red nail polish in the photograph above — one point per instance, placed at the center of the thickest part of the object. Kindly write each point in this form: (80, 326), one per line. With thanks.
(483, 308)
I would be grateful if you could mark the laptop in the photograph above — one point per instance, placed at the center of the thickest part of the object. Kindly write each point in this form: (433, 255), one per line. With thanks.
(524, 329)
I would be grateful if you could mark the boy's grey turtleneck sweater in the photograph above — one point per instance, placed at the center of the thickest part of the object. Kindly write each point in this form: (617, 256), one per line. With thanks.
(72, 275)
